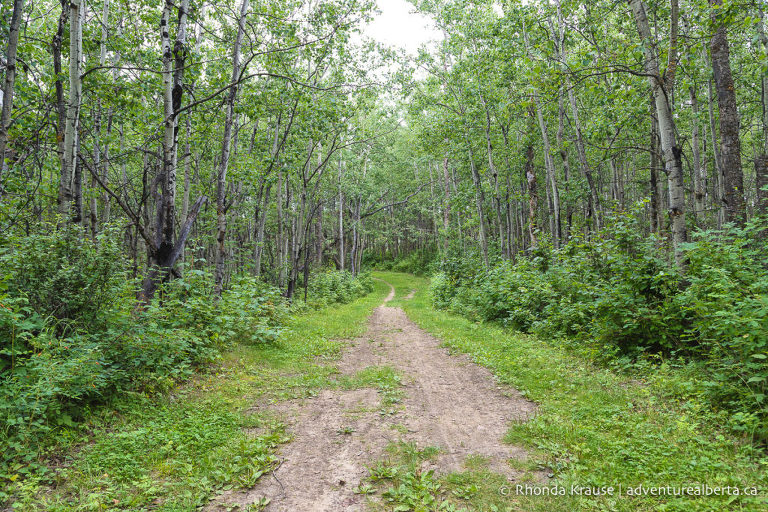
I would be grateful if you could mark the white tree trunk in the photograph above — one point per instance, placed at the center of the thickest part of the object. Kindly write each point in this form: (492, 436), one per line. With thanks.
(66, 185)
(670, 151)
(6, 97)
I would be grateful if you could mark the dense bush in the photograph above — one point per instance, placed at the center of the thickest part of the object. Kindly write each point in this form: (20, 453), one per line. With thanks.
(337, 286)
(418, 262)
(618, 299)
(72, 334)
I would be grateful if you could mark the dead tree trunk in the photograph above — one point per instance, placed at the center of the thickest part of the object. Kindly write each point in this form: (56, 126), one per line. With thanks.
(61, 106)
(730, 143)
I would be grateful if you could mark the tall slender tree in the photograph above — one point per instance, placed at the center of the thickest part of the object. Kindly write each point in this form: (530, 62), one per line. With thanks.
(730, 142)
(6, 100)
(221, 181)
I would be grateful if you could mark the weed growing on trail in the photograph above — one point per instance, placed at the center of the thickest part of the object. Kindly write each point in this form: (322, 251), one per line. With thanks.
(404, 483)
(595, 427)
(365, 489)
(385, 379)
(258, 506)
(345, 431)
(417, 490)
(381, 471)
(407, 486)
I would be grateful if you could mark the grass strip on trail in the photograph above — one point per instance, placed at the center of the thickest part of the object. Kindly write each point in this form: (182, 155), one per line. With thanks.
(594, 428)
(175, 452)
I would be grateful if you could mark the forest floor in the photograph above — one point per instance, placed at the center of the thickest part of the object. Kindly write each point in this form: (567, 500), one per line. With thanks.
(388, 404)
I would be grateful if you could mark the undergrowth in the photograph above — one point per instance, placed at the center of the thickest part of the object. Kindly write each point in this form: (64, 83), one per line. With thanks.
(420, 263)
(618, 300)
(76, 345)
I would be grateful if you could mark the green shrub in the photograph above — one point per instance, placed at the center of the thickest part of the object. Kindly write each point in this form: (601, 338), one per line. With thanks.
(72, 336)
(727, 299)
(63, 276)
(420, 262)
(334, 286)
(252, 311)
(618, 299)
(635, 306)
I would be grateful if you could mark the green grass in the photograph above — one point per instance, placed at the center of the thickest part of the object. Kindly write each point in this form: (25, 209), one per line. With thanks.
(594, 427)
(385, 379)
(176, 452)
(404, 482)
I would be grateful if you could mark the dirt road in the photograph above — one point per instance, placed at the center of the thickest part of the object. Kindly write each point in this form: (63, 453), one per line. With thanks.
(448, 402)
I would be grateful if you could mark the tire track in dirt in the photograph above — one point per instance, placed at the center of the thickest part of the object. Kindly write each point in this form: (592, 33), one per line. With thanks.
(449, 402)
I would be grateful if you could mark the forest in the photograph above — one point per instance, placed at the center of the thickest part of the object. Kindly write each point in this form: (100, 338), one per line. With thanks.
(200, 200)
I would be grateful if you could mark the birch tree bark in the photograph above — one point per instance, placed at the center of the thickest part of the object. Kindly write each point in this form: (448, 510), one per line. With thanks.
(533, 196)
(10, 80)
(551, 178)
(657, 219)
(67, 185)
(479, 201)
(165, 250)
(594, 198)
(492, 168)
(566, 165)
(93, 213)
(342, 256)
(188, 142)
(282, 240)
(261, 209)
(671, 153)
(446, 204)
(717, 182)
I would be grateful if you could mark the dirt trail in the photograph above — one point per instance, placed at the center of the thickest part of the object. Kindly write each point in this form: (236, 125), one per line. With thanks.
(449, 402)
